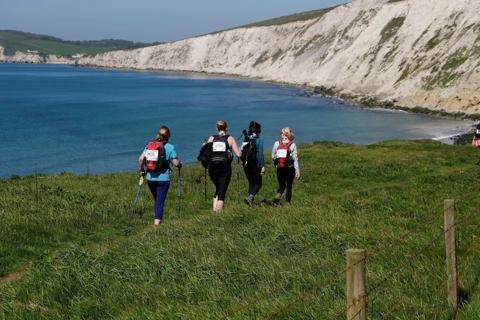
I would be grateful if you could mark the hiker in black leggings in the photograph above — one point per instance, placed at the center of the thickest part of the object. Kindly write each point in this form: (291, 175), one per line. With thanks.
(285, 158)
(219, 167)
(254, 167)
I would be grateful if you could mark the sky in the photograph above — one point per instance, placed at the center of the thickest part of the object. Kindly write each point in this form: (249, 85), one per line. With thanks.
(143, 20)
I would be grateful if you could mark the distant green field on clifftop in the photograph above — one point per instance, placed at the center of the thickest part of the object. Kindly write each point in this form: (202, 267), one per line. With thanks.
(14, 41)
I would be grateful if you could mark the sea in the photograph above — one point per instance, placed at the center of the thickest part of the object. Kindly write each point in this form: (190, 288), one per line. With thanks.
(58, 118)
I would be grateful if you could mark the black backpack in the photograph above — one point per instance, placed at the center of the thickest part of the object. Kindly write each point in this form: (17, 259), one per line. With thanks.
(221, 154)
(249, 152)
(477, 132)
(205, 154)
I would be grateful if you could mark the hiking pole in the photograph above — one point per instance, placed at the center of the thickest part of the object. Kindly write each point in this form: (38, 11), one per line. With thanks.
(179, 188)
(238, 179)
(137, 195)
(244, 133)
(179, 183)
(205, 183)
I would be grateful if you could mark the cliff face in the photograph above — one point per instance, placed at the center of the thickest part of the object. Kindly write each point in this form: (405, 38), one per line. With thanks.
(22, 57)
(415, 52)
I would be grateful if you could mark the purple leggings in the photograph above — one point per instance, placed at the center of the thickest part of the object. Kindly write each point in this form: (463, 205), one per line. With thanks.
(159, 191)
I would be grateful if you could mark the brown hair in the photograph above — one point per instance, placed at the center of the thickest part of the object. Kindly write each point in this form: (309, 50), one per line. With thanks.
(163, 134)
(222, 125)
(288, 133)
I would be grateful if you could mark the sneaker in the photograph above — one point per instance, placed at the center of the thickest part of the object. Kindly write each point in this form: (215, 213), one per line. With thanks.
(276, 202)
(249, 201)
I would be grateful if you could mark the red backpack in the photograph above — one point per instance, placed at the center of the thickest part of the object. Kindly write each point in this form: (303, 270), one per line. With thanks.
(283, 155)
(155, 157)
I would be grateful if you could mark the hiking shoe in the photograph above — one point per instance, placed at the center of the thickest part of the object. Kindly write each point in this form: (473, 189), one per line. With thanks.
(249, 201)
(276, 202)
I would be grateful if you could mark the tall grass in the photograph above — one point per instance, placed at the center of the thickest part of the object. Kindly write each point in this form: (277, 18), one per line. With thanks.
(83, 259)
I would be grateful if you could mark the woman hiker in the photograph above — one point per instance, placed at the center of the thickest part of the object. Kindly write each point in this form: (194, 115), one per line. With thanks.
(476, 139)
(285, 158)
(220, 162)
(253, 161)
(155, 161)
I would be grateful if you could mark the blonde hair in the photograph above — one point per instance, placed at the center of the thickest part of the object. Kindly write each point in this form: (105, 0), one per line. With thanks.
(288, 133)
(222, 125)
(163, 134)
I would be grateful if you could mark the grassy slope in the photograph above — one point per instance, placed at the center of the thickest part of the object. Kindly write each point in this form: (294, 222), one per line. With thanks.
(303, 16)
(14, 41)
(82, 260)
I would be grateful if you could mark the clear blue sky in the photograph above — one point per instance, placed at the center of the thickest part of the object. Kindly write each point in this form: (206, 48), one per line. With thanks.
(143, 20)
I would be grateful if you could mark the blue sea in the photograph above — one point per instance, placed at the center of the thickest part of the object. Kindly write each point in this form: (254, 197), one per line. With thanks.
(56, 118)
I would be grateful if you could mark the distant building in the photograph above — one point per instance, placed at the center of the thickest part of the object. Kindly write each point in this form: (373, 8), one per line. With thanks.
(78, 56)
(32, 51)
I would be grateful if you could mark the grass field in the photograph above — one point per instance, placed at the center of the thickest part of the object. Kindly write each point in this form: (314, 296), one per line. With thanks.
(14, 41)
(303, 16)
(69, 251)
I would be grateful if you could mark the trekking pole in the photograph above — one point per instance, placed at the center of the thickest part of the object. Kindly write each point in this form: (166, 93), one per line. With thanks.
(179, 183)
(238, 179)
(205, 183)
(244, 133)
(137, 195)
(179, 189)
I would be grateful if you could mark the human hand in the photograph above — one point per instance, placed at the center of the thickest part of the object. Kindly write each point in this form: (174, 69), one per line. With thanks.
(262, 172)
(297, 174)
(141, 172)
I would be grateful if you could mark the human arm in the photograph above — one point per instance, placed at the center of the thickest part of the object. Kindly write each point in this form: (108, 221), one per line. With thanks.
(141, 162)
(233, 145)
(173, 158)
(294, 152)
(274, 153)
(260, 155)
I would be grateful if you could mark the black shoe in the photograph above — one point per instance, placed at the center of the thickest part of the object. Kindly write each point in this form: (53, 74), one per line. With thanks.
(276, 202)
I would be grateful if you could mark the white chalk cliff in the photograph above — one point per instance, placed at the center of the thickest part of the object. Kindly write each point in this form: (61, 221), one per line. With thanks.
(414, 52)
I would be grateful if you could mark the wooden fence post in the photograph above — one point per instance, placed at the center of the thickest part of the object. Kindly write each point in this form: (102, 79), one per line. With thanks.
(356, 292)
(452, 286)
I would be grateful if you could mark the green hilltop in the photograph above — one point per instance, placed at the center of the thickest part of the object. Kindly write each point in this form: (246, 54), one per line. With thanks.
(69, 251)
(14, 41)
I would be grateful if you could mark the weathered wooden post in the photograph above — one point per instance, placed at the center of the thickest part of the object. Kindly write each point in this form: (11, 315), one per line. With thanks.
(356, 292)
(452, 286)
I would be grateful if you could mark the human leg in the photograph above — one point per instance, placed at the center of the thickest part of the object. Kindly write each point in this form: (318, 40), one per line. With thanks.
(162, 191)
(290, 179)
(223, 182)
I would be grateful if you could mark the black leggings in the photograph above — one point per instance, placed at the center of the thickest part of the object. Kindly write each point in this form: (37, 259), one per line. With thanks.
(221, 180)
(254, 178)
(285, 177)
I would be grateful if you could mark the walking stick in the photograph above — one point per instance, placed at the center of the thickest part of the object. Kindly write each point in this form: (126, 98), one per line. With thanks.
(137, 195)
(179, 182)
(205, 183)
(238, 179)
(179, 189)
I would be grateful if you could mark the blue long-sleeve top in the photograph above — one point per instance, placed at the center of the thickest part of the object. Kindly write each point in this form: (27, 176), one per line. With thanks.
(260, 156)
(259, 146)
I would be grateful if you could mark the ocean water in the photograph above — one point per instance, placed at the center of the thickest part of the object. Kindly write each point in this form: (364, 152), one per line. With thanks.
(56, 118)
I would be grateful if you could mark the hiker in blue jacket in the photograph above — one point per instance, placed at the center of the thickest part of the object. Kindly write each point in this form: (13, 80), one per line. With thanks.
(155, 162)
(253, 161)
